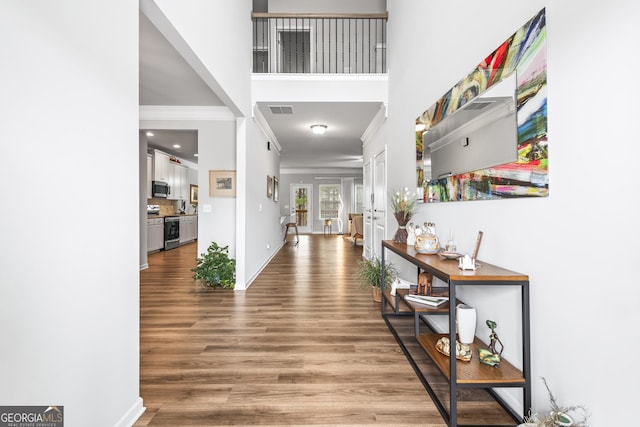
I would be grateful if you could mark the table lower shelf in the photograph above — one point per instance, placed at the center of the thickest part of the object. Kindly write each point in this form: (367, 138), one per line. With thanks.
(472, 373)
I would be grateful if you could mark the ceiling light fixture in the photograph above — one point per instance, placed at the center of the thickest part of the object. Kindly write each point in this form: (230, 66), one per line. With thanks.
(176, 145)
(149, 133)
(318, 129)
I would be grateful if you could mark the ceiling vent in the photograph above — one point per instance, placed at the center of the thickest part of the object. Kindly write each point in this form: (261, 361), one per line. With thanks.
(281, 109)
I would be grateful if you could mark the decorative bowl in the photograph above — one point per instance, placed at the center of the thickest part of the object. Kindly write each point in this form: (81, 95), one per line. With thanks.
(449, 255)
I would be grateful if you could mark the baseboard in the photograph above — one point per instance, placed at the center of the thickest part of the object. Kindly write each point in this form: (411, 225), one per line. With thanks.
(248, 283)
(144, 266)
(132, 415)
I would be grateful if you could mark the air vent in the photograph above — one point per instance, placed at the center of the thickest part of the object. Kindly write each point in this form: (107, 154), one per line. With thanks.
(281, 109)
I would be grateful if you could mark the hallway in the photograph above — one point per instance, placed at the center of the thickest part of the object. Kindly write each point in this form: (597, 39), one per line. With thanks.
(304, 345)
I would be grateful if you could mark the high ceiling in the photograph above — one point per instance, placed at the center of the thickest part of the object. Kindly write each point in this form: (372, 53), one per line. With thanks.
(167, 80)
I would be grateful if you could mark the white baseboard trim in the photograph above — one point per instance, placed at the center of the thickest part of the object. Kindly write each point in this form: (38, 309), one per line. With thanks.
(250, 281)
(144, 266)
(132, 415)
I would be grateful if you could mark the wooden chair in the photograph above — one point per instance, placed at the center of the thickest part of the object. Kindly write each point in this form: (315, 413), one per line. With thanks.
(357, 228)
(293, 225)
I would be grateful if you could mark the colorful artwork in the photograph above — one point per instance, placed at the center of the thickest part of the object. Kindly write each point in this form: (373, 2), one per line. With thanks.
(525, 54)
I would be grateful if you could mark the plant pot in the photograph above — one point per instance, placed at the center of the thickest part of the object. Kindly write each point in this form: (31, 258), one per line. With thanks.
(377, 294)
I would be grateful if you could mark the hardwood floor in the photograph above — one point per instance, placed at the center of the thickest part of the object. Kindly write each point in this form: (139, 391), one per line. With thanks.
(304, 345)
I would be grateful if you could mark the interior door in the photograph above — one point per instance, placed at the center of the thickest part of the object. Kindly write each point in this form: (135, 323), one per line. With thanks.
(379, 201)
(367, 204)
(302, 207)
(295, 51)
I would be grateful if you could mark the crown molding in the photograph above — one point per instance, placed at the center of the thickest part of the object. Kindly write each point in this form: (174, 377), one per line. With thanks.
(338, 172)
(162, 112)
(375, 124)
(261, 122)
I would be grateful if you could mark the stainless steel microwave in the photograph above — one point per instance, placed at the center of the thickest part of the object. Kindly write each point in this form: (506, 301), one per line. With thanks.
(160, 189)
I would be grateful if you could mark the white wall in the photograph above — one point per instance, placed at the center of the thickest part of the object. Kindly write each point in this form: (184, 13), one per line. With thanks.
(566, 243)
(219, 34)
(262, 221)
(69, 268)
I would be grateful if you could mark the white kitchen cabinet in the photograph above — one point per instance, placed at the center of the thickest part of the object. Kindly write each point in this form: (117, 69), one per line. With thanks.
(183, 230)
(149, 175)
(188, 228)
(155, 234)
(178, 181)
(174, 174)
(160, 166)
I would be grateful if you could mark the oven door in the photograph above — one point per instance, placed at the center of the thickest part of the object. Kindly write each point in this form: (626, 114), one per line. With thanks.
(171, 232)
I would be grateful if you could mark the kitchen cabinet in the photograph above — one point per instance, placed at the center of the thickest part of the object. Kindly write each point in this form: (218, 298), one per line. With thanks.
(149, 175)
(460, 375)
(155, 234)
(174, 174)
(178, 182)
(160, 166)
(188, 228)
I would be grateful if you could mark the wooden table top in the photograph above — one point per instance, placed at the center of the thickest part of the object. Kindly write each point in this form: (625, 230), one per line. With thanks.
(447, 269)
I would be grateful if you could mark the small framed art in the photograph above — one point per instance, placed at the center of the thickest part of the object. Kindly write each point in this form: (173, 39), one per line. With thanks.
(222, 183)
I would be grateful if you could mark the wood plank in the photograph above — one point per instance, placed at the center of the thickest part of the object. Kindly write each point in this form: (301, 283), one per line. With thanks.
(304, 345)
(472, 372)
(447, 269)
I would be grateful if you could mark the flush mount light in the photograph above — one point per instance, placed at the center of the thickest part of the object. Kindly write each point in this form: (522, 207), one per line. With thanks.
(149, 133)
(176, 146)
(318, 129)
(195, 155)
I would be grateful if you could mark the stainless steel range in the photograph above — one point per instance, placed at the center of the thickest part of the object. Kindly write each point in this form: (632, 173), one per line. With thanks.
(171, 232)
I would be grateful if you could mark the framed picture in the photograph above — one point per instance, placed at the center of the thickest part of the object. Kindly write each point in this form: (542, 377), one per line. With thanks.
(276, 189)
(222, 183)
(193, 194)
(269, 186)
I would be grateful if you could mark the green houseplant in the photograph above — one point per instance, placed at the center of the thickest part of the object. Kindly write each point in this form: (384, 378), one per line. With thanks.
(369, 274)
(215, 268)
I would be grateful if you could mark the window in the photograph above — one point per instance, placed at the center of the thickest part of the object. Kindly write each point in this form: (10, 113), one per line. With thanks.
(359, 199)
(330, 202)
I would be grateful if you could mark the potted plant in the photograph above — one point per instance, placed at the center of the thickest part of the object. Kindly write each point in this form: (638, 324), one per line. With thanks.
(369, 274)
(215, 268)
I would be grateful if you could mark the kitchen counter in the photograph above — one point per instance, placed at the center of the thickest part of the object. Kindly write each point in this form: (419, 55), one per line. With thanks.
(162, 216)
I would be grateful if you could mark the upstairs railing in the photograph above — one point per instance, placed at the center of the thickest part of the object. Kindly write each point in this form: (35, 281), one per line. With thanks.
(315, 43)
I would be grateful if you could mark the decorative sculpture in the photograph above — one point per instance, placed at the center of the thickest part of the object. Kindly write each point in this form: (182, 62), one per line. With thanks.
(493, 338)
(491, 356)
(466, 263)
(425, 283)
(463, 351)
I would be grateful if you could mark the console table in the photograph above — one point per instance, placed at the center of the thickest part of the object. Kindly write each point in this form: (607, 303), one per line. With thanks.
(471, 374)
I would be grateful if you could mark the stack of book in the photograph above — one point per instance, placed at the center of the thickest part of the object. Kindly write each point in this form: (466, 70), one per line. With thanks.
(426, 300)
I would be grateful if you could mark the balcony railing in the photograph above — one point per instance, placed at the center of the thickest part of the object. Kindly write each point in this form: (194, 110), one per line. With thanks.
(324, 44)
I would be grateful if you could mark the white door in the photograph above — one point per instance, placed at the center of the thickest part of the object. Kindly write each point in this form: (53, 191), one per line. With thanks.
(302, 207)
(367, 206)
(379, 201)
